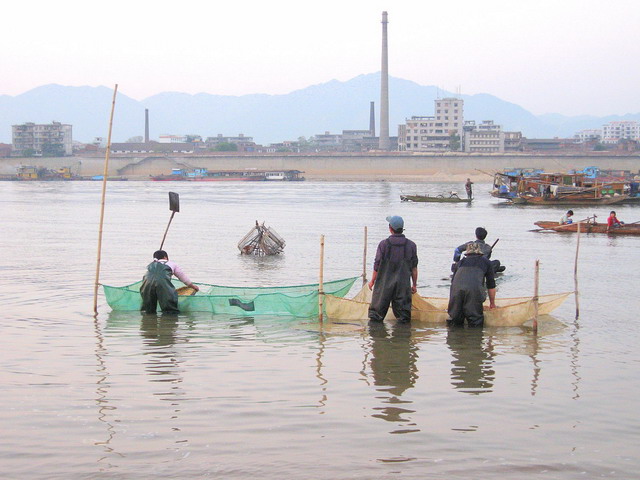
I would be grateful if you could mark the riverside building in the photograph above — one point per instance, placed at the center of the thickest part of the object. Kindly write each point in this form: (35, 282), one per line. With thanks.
(484, 138)
(52, 139)
(437, 133)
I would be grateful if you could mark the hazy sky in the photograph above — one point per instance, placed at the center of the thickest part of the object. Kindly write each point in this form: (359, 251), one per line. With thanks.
(566, 56)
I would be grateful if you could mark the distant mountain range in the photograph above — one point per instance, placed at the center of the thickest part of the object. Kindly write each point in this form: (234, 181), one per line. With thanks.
(333, 106)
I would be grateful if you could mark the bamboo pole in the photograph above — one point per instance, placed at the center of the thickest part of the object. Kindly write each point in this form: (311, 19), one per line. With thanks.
(104, 192)
(575, 274)
(536, 281)
(364, 259)
(321, 279)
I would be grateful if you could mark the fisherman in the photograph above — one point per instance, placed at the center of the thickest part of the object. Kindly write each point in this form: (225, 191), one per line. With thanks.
(467, 187)
(566, 218)
(467, 292)
(486, 250)
(613, 222)
(395, 274)
(156, 285)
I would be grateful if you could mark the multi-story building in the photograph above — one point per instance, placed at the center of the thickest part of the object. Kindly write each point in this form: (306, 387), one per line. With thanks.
(434, 133)
(588, 135)
(53, 139)
(513, 142)
(612, 132)
(484, 138)
(244, 144)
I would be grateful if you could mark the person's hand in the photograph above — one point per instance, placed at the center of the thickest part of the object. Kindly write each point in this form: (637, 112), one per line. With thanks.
(371, 283)
(492, 305)
(195, 287)
(414, 289)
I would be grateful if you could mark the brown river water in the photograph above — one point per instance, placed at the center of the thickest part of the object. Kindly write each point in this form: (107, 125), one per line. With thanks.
(209, 396)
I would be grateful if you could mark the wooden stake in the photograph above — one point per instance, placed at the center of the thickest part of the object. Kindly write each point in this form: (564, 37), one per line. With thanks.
(104, 191)
(536, 280)
(575, 275)
(364, 259)
(321, 279)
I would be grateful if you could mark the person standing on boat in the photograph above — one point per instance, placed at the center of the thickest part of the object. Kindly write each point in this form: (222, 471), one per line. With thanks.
(467, 292)
(156, 285)
(467, 187)
(613, 222)
(487, 250)
(395, 274)
(566, 218)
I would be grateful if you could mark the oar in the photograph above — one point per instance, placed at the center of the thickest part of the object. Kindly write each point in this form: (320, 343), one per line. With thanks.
(174, 206)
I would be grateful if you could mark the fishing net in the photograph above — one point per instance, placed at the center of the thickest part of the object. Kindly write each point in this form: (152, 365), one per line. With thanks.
(509, 311)
(297, 300)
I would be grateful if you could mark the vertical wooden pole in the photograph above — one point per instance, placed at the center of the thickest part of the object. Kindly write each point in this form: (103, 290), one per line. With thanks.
(364, 259)
(104, 191)
(536, 281)
(321, 279)
(575, 274)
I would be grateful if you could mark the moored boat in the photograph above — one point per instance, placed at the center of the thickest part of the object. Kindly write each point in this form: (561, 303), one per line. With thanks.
(510, 312)
(451, 198)
(297, 300)
(589, 227)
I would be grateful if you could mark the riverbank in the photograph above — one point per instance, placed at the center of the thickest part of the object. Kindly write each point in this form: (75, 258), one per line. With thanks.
(349, 167)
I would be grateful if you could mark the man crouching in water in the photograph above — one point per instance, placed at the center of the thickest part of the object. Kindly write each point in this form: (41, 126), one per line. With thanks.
(156, 285)
(467, 288)
(395, 275)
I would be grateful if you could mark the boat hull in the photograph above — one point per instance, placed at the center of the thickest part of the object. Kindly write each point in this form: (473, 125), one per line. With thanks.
(586, 227)
(437, 199)
(526, 200)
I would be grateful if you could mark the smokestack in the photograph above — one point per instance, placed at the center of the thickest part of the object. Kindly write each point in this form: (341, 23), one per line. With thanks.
(384, 89)
(146, 125)
(372, 120)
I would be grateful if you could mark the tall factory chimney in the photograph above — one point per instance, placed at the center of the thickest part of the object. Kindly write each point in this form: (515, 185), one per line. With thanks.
(146, 125)
(384, 89)
(372, 120)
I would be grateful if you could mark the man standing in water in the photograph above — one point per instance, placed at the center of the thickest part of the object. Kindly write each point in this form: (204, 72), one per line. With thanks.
(468, 288)
(395, 274)
(156, 285)
(467, 187)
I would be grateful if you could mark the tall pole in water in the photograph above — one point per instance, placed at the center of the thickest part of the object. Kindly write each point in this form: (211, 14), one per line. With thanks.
(384, 89)
(146, 125)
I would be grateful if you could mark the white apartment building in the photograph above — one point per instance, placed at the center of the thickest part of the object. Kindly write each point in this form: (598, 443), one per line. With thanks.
(167, 138)
(42, 138)
(612, 132)
(588, 135)
(433, 133)
(484, 138)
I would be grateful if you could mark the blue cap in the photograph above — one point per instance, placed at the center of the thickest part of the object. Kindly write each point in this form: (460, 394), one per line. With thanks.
(395, 222)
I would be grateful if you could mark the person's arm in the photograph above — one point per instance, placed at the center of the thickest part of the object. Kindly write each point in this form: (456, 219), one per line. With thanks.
(492, 297)
(372, 282)
(414, 279)
(457, 253)
(179, 273)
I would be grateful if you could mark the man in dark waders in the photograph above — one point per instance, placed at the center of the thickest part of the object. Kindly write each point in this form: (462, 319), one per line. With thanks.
(468, 288)
(156, 285)
(395, 274)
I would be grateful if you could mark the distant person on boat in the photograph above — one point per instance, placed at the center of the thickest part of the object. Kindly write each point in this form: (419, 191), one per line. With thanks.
(467, 292)
(156, 285)
(566, 218)
(487, 250)
(613, 222)
(467, 187)
(395, 274)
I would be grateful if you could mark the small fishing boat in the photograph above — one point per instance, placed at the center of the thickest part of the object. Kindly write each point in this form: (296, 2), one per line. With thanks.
(589, 227)
(450, 198)
(510, 312)
(297, 300)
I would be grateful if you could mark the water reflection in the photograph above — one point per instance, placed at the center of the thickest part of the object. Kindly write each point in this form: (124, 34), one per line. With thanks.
(393, 365)
(472, 365)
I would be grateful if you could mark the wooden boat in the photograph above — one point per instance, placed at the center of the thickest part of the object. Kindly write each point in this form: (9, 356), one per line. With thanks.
(297, 300)
(589, 227)
(452, 198)
(510, 312)
(568, 200)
